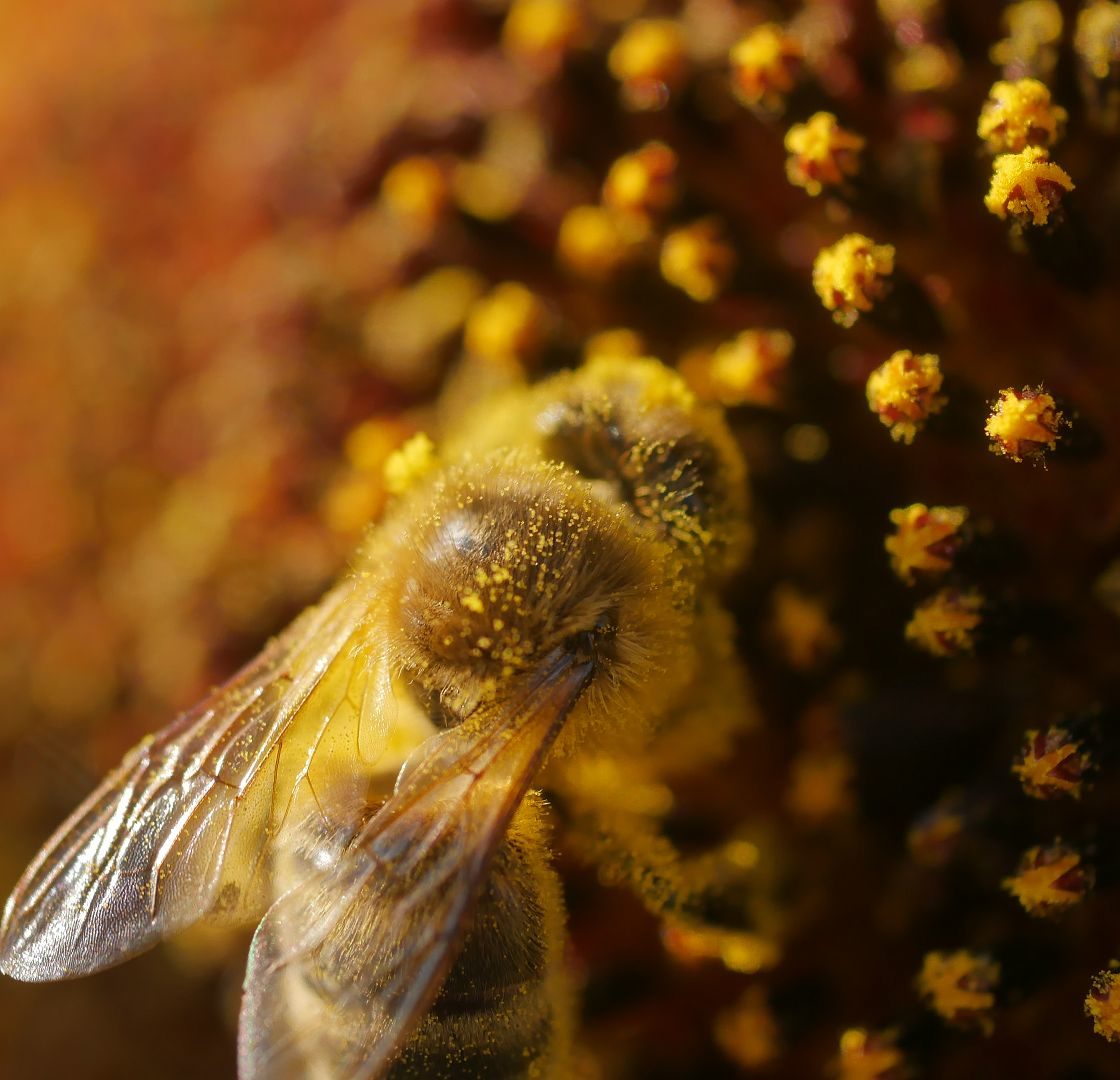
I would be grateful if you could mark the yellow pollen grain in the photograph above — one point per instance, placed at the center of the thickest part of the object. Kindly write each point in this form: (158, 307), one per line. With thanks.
(1034, 28)
(919, 530)
(959, 987)
(946, 624)
(1024, 423)
(745, 370)
(821, 153)
(747, 1033)
(764, 65)
(1037, 884)
(506, 324)
(369, 444)
(1028, 186)
(618, 343)
(868, 1056)
(1019, 114)
(649, 59)
(405, 467)
(903, 392)
(1039, 773)
(850, 275)
(540, 27)
(1097, 37)
(697, 259)
(596, 242)
(925, 68)
(415, 189)
(1102, 1005)
(642, 182)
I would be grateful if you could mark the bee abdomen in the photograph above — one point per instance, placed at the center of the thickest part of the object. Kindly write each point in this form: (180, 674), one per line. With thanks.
(501, 1014)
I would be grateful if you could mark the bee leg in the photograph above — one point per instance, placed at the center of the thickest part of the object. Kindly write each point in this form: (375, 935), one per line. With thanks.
(715, 891)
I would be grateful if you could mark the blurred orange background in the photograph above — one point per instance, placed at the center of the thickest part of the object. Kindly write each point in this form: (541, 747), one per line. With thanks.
(202, 299)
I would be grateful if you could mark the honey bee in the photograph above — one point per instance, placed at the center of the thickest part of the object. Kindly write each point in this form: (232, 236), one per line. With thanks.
(539, 608)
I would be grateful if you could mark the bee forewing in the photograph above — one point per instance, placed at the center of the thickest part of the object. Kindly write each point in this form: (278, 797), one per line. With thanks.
(180, 829)
(344, 964)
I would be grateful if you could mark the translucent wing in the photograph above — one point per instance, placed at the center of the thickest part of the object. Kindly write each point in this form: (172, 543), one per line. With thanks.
(345, 963)
(179, 830)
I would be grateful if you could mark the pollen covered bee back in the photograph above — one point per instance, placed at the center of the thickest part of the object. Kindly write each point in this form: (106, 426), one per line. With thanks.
(509, 559)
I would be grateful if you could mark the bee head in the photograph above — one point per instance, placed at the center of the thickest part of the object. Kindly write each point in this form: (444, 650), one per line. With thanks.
(517, 563)
(635, 429)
